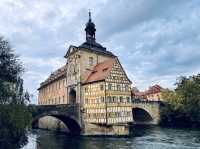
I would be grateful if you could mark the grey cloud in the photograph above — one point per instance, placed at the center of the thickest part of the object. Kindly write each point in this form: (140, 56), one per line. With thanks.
(125, 14)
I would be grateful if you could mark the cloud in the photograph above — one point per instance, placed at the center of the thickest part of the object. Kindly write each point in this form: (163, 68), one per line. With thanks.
(156, 41)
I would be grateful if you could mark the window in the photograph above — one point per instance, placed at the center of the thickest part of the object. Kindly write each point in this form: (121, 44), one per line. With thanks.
(105, 69)
(118, 87)
(128, 99)
(108, 99)
(58, 99)
(121, 99)
(101, 87)
(102, 99)
(91, 61)
(126, 87)
(86, 89)
(114, 99)
(109, 86)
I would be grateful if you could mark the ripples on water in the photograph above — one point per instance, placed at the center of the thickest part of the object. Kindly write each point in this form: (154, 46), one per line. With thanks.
(142, 138)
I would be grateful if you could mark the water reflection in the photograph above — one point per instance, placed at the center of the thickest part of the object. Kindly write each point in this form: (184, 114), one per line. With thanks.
(142, 138)
(61, 141)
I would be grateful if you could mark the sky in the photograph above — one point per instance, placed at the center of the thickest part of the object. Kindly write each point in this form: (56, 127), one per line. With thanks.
(156, 41)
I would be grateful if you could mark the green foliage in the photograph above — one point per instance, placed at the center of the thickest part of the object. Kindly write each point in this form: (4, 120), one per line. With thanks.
(182, 106)
(14, 119)
(14, 114)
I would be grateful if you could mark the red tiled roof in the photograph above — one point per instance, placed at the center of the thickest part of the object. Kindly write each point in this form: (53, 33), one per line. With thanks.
(154, 89)
(100, 71)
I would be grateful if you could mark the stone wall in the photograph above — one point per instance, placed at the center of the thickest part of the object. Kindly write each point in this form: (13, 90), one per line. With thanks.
(112, 130)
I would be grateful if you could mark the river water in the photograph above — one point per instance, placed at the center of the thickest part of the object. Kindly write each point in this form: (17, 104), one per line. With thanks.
(142, 138)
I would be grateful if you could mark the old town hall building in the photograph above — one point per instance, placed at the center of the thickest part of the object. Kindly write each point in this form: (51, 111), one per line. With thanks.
(94, 78)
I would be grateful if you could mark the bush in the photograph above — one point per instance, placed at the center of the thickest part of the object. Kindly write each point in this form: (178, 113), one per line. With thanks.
(14, 120)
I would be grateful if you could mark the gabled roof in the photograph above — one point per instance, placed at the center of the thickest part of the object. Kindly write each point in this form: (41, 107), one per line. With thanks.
(69, 50)
(100, 71)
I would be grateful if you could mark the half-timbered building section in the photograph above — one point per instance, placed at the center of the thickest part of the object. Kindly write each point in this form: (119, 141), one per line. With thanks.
(118, 95)
(94, 103)
(107, 94)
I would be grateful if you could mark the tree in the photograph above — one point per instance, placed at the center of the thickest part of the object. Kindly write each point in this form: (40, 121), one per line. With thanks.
(10, 68)
(182, 106)
(14, 115)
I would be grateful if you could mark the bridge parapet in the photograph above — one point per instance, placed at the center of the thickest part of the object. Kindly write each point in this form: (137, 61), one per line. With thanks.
(68, 109)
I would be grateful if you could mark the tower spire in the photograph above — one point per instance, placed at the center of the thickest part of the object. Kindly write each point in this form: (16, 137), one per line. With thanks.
(90, 19)
(90, 29)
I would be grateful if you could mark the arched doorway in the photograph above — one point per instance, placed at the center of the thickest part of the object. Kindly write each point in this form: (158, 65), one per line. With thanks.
(72, 96)
(141, 116)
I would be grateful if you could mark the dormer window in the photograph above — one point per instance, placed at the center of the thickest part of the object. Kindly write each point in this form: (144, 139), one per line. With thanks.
(105, 69)
(91, 61)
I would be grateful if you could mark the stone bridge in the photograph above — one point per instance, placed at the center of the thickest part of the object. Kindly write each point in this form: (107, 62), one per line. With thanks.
(69, 114)
(146, 112)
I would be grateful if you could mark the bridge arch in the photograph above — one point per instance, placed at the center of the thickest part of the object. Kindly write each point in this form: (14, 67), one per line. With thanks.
(141, 116)
(71, 123)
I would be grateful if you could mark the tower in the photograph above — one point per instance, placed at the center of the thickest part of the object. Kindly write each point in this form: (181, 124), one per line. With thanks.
(90, 30)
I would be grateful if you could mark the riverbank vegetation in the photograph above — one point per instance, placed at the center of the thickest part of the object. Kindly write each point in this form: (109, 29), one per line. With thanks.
(14, 115)
(182, 105)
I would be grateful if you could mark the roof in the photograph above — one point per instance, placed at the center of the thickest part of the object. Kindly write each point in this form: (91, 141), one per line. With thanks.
(100, 71)
(61, 72)
(93, 46)
(154, 89)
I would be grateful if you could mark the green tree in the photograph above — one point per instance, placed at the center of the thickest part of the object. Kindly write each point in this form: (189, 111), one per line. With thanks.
(182, 106)
(14, 115)
(189, 90)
